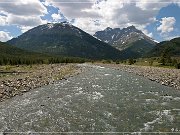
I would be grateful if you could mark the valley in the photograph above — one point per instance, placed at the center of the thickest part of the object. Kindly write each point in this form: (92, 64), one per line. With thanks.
(89, 67)
(56, 78)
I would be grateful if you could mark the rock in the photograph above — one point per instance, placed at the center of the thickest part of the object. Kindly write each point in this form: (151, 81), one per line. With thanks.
(36, 77)
(1, 95)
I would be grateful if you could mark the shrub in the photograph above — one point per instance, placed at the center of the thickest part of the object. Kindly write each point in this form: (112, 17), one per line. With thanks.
(177, 66)
(117, 62)
(151, 62)
(106, 61)
(131, 61)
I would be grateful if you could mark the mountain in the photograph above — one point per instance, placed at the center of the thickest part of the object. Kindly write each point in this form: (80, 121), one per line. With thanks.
(172, 47)
(64, 39)
(128, 40)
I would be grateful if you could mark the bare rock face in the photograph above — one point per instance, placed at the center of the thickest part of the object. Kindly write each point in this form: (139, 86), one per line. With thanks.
(132, 42)
(121, 38)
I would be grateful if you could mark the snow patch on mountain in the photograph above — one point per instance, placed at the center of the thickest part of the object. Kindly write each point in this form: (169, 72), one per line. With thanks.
(50, 25)
(118, 37)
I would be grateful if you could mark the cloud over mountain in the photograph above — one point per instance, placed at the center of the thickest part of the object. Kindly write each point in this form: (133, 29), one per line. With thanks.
(89, 15)
(116, 13)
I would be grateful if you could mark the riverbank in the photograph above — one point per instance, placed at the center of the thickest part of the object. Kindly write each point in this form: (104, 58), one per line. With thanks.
(15, 80)
(164, 76)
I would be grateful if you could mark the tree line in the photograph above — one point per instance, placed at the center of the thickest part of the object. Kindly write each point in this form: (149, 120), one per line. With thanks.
(167, 60)
(30, 61)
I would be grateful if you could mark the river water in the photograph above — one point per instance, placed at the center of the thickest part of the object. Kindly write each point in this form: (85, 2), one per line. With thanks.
(97, 100)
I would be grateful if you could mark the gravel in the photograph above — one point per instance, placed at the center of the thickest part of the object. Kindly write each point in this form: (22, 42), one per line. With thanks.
(17, 83)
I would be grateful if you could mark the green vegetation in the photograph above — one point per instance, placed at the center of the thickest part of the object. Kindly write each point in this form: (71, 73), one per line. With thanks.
(172, 47)
(136, 49)
(172, 62)
(106, 61)
(164, 61)
(131, 61)
(10, 55)
(64, 40)
(45, 60)
(167, 54)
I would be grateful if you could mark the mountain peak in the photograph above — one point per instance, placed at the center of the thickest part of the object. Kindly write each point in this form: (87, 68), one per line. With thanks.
(132, 27)
(122, 38)
(108, 29)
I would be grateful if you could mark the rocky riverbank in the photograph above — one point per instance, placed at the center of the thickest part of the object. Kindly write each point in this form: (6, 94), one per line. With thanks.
(164, 76)
(19, 79)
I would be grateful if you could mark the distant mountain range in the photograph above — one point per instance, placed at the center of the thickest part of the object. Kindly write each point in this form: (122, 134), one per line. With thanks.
(64, 39)
(130, 41)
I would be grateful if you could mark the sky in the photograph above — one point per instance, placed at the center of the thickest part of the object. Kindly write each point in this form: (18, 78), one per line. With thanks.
(159, 19)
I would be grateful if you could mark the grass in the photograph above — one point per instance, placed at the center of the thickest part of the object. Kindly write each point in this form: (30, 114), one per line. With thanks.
(28, 69)
(154, 62)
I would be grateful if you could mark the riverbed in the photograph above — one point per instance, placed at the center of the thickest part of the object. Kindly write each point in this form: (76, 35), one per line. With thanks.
(100, 99)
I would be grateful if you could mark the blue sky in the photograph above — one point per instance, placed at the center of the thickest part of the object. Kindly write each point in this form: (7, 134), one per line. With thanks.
(171, 10)
(158, 19)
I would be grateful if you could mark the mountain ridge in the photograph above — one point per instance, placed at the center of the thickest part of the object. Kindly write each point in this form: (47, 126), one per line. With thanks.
(64, 39)
(128, 40)
(117, 37)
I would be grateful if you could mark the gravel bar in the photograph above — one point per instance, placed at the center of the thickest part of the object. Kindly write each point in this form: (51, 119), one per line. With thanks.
(38, 75)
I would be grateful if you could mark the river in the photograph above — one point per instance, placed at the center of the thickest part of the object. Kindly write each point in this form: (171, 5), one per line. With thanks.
(97, 100)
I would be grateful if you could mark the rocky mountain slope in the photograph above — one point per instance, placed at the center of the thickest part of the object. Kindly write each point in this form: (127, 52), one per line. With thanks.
(130, 40)
(121, 38)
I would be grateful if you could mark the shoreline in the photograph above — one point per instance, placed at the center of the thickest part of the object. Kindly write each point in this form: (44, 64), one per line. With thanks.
(25, 78)
(164, 76)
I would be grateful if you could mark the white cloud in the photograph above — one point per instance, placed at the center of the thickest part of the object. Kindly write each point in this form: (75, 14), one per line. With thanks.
(89, 15)
(110, 13)
(23, 13)
(56, 17)
(25, 28)
(24, 21)
(72, 8)
(23, 7)
(147, 33)
(154, 4)
(3, 20)
(167, 25)
(5, 36)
